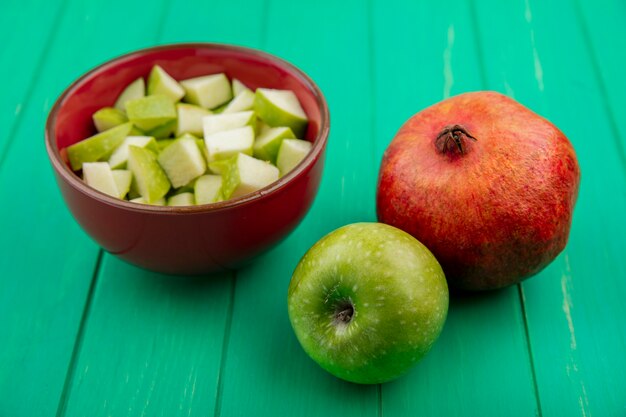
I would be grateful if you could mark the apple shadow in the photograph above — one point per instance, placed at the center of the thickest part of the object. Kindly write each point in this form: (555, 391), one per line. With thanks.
(460, 297)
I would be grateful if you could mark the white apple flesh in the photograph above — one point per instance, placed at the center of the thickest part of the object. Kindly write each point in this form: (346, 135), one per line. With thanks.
(160, 82)
(291, 153)
(98, 175)
(220, 122)
(182, 161)
(119, 157)
(209, 91)
(223, 145)
(136, 89)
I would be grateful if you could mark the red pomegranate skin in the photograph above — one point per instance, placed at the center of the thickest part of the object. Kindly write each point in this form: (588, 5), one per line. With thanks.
(495, 210)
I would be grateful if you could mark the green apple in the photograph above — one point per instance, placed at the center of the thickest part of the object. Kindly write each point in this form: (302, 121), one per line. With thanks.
(140, 200)
(119, 157)
(182, 161)
(108, 117)
(150, 112)
(190, 118)
(223, 145)
(208, 91)
(164, 143)
(182, 199)
(202, 146)
(220, 122)
(242, 101)
(243, 174)
(267, 144)
(97, 147)
(123, 179)
(98, 175)
(149, 178)
(291, 152)
(219, 109)
(164, 131)
(136, 89)
(367, 302)
(280, 108)
(208, 189)
(187, 188)
(135, 131)
(161, 83)
(239, 87)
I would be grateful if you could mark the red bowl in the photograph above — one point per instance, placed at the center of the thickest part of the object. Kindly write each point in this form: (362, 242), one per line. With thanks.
(195, 239)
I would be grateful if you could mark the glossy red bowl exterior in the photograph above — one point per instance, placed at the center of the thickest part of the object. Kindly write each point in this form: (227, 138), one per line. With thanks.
(196, 239)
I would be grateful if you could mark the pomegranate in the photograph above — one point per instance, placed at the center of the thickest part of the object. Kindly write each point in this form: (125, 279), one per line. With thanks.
(486, 184)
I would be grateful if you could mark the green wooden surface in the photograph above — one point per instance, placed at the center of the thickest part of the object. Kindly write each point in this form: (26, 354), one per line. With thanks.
(82, 333)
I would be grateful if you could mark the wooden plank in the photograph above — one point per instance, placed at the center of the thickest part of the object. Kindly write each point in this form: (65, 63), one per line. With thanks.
(25, 37)
(164, 335)
(46, 260)
(602, 26)
(425, 52)
(575, 307)
(47, 263)
(152, 344)
(238, 22)
(267, 373)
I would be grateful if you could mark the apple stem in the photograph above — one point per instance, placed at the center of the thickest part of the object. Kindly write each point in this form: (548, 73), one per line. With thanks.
(452, 139)
(344, 314)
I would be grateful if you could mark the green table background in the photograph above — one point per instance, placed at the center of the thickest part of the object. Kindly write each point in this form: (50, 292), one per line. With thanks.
(84, 334)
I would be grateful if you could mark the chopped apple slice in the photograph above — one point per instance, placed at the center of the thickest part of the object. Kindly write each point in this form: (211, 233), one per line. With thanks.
(151, 181)
(151, 112)
(190, 118)
(107, 118)
(141, 200)
(220, 122)
(164, 143)
(291, 152)
(160, 82)
(97, 147)
(120, 155)
(242, 101)
(208, 91)
(98, 175)
(136, 89)
(182, 161)
(222, 145)
(239, 87)
(163, 131)
(123, 178)
(208, 189)
(201, 145)
(182, 199)
(243, 174)
(280, 108)
(187, 188)
(267, 143)
(135, 131)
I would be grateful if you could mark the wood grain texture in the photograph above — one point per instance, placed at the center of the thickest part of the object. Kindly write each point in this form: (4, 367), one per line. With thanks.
(47, 262)
(483, 342)
(168, 360)
(267, 372)
(574, 312)
(151, 346)
(22, 54)
(131, 342)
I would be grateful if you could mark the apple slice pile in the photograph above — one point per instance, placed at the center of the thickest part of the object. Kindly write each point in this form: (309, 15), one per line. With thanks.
(197, 141)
